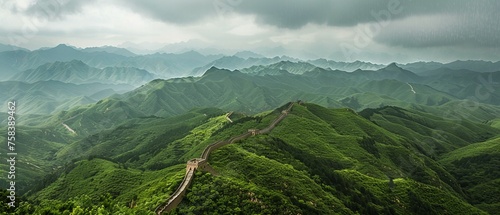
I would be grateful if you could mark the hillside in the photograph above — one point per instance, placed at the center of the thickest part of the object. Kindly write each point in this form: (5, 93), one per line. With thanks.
(346, 160)
(434, 134)
(290, 67)
(77, 72)
(476, 169)
(161, 65)
(110, 49)
(344, 66)
(378, 140)
(46, 97)
(250, 94)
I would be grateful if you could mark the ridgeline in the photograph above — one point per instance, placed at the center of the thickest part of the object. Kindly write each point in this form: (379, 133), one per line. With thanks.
(202, 163)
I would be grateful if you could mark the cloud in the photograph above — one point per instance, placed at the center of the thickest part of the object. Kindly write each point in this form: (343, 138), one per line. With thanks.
(54, 9)
(475, 26)
(173, 11)
(411, 27)
(290, 14)
(294, 14)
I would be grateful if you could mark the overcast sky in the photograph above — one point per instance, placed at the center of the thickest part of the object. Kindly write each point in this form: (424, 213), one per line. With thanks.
(379, 31)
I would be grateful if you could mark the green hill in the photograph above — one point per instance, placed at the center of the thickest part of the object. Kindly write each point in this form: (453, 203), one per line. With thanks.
(316, 161)
(77, 72)
(476, 167)
(47, 97)
(126, 153)
(250, 94)
(350, 158)
(435, 135)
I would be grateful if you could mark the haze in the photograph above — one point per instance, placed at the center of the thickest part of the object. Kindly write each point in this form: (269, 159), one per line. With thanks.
(379, 31)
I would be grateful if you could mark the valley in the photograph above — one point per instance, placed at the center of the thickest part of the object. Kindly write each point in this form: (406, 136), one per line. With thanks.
(103, 132)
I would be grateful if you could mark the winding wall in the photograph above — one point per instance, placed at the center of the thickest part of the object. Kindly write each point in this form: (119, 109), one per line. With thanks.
(176, 198)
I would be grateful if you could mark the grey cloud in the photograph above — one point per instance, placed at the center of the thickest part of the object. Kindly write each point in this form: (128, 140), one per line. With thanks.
(173, 11)
(281, 13)
(476, 25)
(296, 13)
(53, 9)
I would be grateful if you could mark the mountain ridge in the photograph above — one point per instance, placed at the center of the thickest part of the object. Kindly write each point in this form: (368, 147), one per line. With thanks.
(78, 72)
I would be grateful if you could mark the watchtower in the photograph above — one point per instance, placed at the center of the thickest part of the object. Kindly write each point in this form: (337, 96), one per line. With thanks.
(196, 163)
(253, 131)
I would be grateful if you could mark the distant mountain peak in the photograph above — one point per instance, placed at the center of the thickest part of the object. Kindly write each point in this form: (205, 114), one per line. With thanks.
(111, 50)
(393, 66)
(7, 47)
(212, 69)
(190, 52)
(63, 46)
(217, 71)
(62, 49)
(247, 54)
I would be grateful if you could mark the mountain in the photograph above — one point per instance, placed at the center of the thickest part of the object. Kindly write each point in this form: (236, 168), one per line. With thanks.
(375, 94)
(344, 66)
(169, 65)
(473, 65)
(162, 65)
(392, 71)
(253, 93)
(421, 67)
(443, 72)
(291, 67)
(247, 54)
(315, 161)
(60, 148)
(9, 63)
(466, 84)
(476, 168)
(4, 47)
(235, 62)
(435, 134)
(16, 61)
(46, 97)
(110, 49)
(77, 72)
(404, 152)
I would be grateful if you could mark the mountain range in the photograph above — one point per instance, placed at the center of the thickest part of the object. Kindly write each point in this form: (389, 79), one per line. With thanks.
(382, 160)
(15, 59)
(106, 131)
(77, 72)
(252, 93)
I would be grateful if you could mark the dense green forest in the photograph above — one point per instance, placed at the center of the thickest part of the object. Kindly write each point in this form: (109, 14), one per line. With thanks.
(316, 161)
(384, 141)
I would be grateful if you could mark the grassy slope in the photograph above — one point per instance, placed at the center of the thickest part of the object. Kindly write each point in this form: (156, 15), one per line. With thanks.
(477, 169)
(232, 90)
(495, 123)
(433, 135)
(36, 148)
(140, 159)
(323, 151)
(139, 141)
(98, 177)
(316, 161)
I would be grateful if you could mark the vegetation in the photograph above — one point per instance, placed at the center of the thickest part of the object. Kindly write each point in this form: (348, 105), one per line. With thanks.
(428, 152)
(476, 168)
